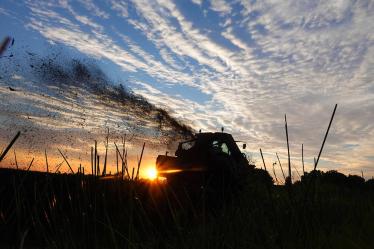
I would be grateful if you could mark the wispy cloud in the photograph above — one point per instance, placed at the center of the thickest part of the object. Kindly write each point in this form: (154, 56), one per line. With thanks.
(121, 7)
(220, 6)
(94, 9)
(198, 2)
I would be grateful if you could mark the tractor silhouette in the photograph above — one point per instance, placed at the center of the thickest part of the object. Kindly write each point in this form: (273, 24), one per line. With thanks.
(209, 160)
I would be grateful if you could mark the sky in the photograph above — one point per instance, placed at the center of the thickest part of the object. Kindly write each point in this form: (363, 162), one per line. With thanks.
(239, 64)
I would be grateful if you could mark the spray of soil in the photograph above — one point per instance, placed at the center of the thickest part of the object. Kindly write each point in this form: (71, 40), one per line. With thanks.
(61, 102)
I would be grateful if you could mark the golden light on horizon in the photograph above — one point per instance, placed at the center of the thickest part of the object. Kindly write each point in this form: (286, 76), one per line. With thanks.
(151, 173)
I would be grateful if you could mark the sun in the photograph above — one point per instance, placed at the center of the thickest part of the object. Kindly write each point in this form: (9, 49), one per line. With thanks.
(151, 173)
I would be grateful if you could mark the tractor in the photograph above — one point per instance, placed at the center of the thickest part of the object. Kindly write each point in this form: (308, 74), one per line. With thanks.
(210, 160)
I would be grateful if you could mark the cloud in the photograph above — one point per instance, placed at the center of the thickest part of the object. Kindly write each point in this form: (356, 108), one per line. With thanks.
(120, 6)
(3, 11)
(90, 6)
(198, 2)
(220, 6)
(228, 34)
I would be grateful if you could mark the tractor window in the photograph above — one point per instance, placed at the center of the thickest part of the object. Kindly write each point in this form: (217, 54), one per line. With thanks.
(215, 144)
(188, 145)
(225, 149)
(219, 147)
(216, 147)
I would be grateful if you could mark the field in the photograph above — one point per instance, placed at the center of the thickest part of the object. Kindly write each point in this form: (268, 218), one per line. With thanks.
(324, 210)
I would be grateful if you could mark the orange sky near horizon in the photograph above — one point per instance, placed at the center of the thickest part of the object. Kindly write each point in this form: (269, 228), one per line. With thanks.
(77, 158)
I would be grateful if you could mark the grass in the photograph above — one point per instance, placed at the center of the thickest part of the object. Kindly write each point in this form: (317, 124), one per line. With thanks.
(75, 211)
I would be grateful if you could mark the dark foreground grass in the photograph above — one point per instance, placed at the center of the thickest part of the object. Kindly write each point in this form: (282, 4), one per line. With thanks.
(39, 210)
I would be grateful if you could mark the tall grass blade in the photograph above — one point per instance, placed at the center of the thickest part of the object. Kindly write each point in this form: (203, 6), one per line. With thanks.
(288, 150)
(324, 139)
(72, 171)
(95, 157)
(139, 162)
(263, 161)
(123, 161)
(302, 157)
(46, 160)
(92, 163)
(15, 159)
(106, 154)
(280, 165)
(9, 146)
(98, 165)
(117, 160)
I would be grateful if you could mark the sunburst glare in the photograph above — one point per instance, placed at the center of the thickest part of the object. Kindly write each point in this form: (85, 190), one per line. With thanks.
(151, 173)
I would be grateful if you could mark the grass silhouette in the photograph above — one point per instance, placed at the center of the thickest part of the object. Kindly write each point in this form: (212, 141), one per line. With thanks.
(77, 211)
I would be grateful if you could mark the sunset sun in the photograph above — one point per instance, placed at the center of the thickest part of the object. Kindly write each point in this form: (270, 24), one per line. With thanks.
(151, 173)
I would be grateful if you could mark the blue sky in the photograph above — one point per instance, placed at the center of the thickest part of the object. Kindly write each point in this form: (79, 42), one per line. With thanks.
(238, 64)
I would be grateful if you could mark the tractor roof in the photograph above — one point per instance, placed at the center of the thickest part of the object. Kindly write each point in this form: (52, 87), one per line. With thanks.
(213, 135)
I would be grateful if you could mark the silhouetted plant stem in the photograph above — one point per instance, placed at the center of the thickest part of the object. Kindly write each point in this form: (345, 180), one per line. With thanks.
(123, 161)
(9, 146)
(125, 164)
(139, 162)
(30, 164)
(324, 139)
(98, 165)
(92, 163)
(106, 154)
(72, 171)
(117, 160)
(302, 157)
(263, 161)
(288, 151)
(15, 159)
(297, 172)
(280, 165)
(275, 175)
(46, 160)
(95, 158)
